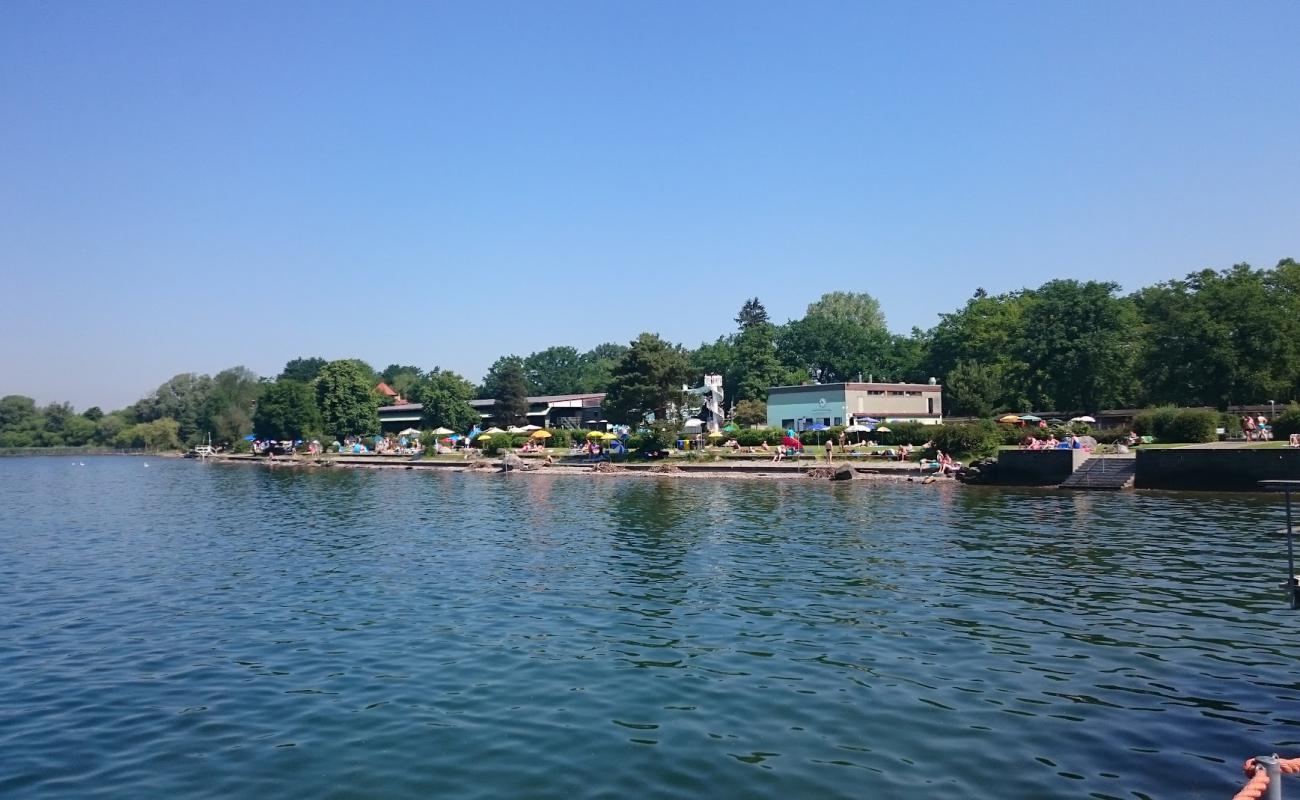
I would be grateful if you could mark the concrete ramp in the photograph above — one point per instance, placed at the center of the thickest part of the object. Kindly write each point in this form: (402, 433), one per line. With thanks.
(1103, 474)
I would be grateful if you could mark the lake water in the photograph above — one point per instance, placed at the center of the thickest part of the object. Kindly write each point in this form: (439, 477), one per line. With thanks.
(188, 629)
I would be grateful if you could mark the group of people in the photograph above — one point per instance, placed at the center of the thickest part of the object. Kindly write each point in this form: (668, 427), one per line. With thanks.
(1071, 442)
(1256, 429)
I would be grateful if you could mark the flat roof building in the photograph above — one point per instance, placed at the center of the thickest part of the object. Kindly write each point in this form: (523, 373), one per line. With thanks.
(830, 404)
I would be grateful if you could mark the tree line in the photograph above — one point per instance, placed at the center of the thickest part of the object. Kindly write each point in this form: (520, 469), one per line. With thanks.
(1213, 338)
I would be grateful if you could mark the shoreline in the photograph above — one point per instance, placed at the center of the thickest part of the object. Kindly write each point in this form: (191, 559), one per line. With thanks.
(759, 470)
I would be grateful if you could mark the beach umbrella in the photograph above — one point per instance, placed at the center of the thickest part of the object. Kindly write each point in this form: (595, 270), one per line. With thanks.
(541, 434)
(443, 432)
(594, 434)
(716, 434)
(869, 420)
(494, 430)
(482, 437)
(250, 438)
(409, 432)
(730, 427)
(1009, 418)
(1083, 419)
(855, 428)
(531, 428)
(609, 436)
(1029, 418)
(790, 441)
(882, 429)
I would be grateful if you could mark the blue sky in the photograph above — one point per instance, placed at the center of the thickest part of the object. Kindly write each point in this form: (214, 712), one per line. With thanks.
(187, 187)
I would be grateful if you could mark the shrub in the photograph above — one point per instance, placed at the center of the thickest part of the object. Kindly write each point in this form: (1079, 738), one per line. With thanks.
(1287, 423)
(971, 438)
(1155, 421)
(913, 433)
(499, 443)
(755, 437)
(1192, 425)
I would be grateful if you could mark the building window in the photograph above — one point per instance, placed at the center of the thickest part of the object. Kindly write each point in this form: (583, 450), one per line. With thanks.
(838, 421)
(787, 424)
(875, 393)
(896, 394)
(930, 404)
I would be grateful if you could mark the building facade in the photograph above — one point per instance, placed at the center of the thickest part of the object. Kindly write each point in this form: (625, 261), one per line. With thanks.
(830, 404)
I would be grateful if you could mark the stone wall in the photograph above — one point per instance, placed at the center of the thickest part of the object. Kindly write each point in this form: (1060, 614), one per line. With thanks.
(1036, 467)
(1214, 470)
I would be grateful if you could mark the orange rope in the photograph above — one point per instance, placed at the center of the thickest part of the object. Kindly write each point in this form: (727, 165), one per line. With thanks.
(1258, 783)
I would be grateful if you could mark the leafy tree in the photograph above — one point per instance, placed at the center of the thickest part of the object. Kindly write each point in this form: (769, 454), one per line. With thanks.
(987, 331)
(1080, 341)
(750, 412)
(857, 308)
(159, 434)
(1217, 338)
(833, 350)
(78, 431)
(227, 412)
(402, 378)
(758, 367)
(507, 385)
(287, 410)
(555, 370)
(94, 413)
(972, 389)
(347, 404)
(182, 399)
(304, 370)
(647, 380)
(598, 366)
(16, 410)
(752, 314)
(108, 428)
(445, 396)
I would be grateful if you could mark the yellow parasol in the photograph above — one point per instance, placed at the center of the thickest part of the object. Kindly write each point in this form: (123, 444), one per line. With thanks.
(1009, 418)
(716, 434)
(541, 434)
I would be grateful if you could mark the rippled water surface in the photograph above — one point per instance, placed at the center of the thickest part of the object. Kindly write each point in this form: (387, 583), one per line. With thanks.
(195, 630)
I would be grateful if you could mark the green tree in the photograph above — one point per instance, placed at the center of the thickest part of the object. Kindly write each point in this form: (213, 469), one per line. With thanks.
(445, 396)
(752, 314)
(287, 410)
(16, 411)
(346, 401)
(1080, 342)
(304, 370)
(227, 412)
(750, 412)
(507, 384)
(987, 331)
(159, 434)
(832, 350)
(857, 308)
(1218, 338)
(402, 378)
(78, 431)
(181, 399)
(598, 366)
(94, 413)
(972, 389)
(555, 370)
(647, 380)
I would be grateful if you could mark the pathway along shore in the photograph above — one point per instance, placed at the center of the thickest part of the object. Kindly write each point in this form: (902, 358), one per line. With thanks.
(803, 469)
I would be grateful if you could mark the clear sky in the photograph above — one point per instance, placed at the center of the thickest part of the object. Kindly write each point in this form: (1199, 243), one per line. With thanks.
(191, 186)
